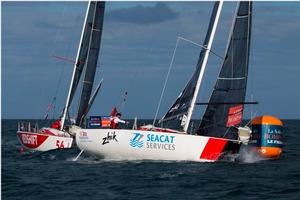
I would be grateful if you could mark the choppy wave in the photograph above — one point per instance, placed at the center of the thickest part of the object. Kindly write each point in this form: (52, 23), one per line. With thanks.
(247, 156)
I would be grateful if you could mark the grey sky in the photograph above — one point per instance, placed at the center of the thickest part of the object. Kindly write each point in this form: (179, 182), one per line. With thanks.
(137, 46)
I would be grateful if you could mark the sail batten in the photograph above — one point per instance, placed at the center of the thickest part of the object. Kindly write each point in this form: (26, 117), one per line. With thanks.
(232, 81)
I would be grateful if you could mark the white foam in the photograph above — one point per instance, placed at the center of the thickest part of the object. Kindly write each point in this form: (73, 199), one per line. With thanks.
(248, 156)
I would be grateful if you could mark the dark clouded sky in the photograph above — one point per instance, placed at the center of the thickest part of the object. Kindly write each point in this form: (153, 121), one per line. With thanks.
(137, 46)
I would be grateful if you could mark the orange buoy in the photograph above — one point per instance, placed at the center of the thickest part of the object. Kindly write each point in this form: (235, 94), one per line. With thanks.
(266, 138)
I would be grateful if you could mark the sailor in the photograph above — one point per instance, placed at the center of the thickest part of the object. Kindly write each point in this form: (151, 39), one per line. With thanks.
(56, 124)
(115, 120)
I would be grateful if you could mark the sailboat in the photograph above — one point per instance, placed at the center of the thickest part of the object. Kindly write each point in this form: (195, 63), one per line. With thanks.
(217, 135)
(57, 136)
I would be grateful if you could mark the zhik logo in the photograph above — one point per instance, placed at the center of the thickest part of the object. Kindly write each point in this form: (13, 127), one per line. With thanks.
(110, 137)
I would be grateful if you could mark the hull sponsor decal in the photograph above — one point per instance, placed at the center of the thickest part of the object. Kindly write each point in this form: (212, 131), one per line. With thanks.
(153, 141)
(137, 141)
(213, 149)
(32, 140)
(111, 136)
(83, 137)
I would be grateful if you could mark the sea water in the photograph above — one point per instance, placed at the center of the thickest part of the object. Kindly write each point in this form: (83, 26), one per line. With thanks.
(55, 175)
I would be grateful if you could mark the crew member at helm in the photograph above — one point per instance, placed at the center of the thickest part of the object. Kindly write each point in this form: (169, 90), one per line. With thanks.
(116, 120)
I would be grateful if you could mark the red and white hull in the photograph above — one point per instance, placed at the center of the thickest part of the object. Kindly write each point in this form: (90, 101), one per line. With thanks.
(46, 140)
(153, 145)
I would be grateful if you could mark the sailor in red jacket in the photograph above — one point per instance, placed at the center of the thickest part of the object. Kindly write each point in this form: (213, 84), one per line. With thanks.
(115, 120)
(56, 124)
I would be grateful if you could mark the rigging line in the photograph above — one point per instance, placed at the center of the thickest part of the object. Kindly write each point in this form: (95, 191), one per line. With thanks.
(250, 121)
(250, 60)
(165, 84)
(233, 43)
(67, 50)
(57, 88)
(202, 46)
(64, 59)
(122, 101)
(230, 39)
(137, 71)
(57, 34)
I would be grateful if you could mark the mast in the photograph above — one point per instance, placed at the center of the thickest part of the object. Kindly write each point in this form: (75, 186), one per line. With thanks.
(215, 19)
(68, 101)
